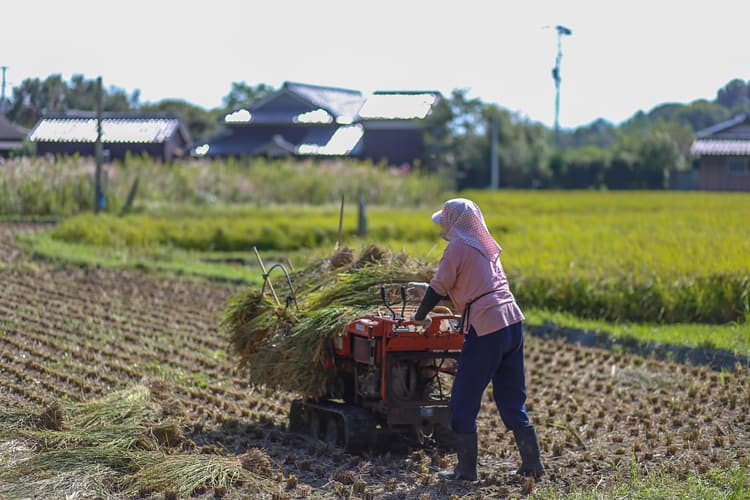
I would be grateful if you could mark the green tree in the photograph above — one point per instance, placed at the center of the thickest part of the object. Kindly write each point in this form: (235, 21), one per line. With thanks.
(657, 155)
(600, 133)
(200, 123)
(734, 95)
(244, 96)
(27, 103)
(453, 135)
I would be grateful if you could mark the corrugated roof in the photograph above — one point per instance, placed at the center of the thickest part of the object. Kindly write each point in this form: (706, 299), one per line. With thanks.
(114, 129)
(720, 147)
(398, 106)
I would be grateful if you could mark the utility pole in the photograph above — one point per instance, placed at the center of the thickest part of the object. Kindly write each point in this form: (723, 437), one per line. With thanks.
(98, 195)
(561, 30)
(2, 93)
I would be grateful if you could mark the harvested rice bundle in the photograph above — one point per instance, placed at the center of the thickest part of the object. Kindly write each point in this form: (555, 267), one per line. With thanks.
(113, 447)
(183, 475)
(285, 348)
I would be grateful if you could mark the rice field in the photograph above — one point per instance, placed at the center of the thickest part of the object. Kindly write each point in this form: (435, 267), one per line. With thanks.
(673, 257)
(76, 340)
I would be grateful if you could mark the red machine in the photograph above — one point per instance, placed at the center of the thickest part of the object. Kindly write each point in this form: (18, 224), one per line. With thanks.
(390, 375)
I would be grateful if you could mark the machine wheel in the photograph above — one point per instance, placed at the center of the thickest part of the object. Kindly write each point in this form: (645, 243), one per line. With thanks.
(342, 426)
(315, 423)
(332, 433)
(297, 417)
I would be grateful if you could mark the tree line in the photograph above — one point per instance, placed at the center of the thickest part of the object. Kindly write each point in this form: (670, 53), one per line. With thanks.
(640, 153)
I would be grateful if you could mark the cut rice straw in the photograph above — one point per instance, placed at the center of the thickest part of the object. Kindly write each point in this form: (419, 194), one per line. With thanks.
(285, 348)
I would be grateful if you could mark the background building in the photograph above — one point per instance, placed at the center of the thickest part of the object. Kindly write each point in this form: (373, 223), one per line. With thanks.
(161, 136)
(314, 121)
(723, 153)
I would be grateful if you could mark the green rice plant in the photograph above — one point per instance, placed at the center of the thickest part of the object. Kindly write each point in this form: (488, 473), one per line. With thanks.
(635, 256)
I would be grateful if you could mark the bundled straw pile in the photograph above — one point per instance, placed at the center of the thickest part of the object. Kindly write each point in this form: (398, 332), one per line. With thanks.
(284, 347)
(117, 446)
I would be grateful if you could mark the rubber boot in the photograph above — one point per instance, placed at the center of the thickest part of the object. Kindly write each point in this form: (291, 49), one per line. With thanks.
(466, 450)
(528, 447)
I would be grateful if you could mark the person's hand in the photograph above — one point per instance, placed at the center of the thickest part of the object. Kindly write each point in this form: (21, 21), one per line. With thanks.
(416, 289)
(424, 323)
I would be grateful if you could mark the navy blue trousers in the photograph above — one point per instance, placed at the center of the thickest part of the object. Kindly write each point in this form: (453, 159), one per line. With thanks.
(496, 357)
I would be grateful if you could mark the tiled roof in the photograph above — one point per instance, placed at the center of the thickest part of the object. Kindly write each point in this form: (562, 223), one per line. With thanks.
(316, 104)
(398, 105)
(341, 102)
(10, 131)
(720, 127)
(720, 147)
(115, 129)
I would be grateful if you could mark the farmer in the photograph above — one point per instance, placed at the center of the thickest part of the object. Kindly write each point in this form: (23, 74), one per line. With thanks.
(470, 274)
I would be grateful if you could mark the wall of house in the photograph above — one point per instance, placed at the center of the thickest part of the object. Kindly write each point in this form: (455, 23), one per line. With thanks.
(396, 146)
(115, 151)
(175, 148)
(714, 175)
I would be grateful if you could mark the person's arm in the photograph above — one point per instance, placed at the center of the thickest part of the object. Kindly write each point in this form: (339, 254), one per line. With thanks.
(444, 278)
(429, 301)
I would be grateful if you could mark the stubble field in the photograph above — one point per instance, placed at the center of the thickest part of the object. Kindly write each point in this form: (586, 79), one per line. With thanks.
(73, 335)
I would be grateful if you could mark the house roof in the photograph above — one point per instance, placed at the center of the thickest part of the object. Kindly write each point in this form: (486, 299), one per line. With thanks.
(728, 138)
(303, 103)
(10, 132)
(337, 141)
(339, 102)
(721, 147)
(724, 126)
(298, 99)
(116, 128)
(398, 105)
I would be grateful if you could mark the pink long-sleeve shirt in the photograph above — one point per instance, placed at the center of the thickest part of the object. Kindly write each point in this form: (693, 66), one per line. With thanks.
(464, 274)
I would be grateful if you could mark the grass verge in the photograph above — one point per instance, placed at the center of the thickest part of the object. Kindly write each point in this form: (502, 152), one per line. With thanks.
(728, 483)
(733, 337)
(226, 267)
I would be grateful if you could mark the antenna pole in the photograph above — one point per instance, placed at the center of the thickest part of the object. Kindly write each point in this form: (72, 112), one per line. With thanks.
(561, 30)
(2, 92)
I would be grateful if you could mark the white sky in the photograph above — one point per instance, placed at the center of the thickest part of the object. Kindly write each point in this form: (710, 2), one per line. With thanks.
(623, 56)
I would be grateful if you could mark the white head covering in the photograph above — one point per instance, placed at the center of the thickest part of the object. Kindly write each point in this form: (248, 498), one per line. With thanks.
(461, 218)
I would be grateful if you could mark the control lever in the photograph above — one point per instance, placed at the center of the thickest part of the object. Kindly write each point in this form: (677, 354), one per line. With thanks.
(385, 301)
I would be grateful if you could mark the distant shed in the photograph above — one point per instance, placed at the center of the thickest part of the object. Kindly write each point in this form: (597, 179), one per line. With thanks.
(162, 136)
(11, 136)
(723, 154)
